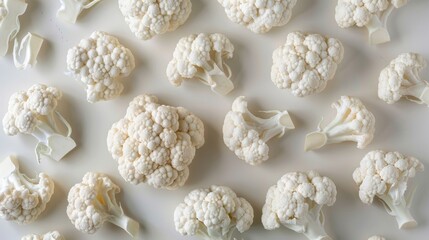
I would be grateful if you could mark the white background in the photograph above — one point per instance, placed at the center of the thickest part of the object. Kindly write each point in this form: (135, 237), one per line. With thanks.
(403, 126)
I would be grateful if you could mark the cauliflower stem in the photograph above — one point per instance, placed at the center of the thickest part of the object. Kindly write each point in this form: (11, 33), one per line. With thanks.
(312, 225)
(377, 27)
(70, 9)
(399, 209)
(210, 234)
(417, 89)
(217, 75)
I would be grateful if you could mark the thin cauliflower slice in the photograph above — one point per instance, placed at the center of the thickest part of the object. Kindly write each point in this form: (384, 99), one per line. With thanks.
(100, 62)
(401, 78)
(71, 9)
(385, 175)
(213, 213)
(247, 135)
(353, 122)
(305, 63)
(202, 57)
(22, 199)
(54, 235)
(154, 143)
(148, 18)
(92, 202)
(261, 15)
(10, 11)
(296, 202)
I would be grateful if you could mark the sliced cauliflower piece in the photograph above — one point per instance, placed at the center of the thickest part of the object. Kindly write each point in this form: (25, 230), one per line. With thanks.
(247, 135)
(100, 62)
(155, 143)
(353, 122)
(305, 63)
(71, 9)
(148, 18)
(376, 238)
(10, 11)
(54, 235)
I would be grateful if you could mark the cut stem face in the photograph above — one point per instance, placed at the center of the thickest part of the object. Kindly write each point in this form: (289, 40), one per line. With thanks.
(215, 77)
(400, 211)
(418, 93)
(377, 27)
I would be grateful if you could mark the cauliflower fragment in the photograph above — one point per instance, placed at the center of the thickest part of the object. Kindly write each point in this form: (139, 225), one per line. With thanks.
(202, 57)
(155, 143)
(247, 135)
(213, 213)
(99, 62)
(353, 122)
(376, 238)
(401, 79)
(10, 11)
(305, 63)
(385, 175)
(261, 15)
(22, 199)
(71, 9)
(148, 18)
(93, 202)
(296, 202)
(54, 235)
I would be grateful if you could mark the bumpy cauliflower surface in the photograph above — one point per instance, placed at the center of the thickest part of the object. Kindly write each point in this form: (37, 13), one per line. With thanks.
(259, 15)
(155, 143)
(99, 62)
(54, 235)
(213, 213)
(201, 56)
(385, 175)
(305, 63)
(22, 199)
(148, 18)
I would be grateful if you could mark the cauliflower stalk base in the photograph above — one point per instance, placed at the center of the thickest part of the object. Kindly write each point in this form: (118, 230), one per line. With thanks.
(311, 225)
(377, 27)
(217, 75)
(418, 90)
(9, 24)
(71, 9)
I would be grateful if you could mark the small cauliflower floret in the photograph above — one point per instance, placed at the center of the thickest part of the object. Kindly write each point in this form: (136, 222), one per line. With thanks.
(155, 143)
(401, 79)
(370, 14)
(100, 62)
(376, 238)
(34, 112)
(296, 202)
(92, 202)
(148, 18)
(71, 9)
(22, 199)
(202, 57)
(247, 135)
(213, 214)
(54, 235)
(353, 122)
(385, 175)
(305, 63)
(261, 15)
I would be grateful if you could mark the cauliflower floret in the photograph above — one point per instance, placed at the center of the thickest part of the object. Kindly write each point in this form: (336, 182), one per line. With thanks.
(259, 15)
(54, 235)
(155, 143)
(99, 62)
(71, 9)
(353, 122)
(213, 213)
(305, 63)
(247, 135)
(148, 18)
(296, 202)
(93, 202)
(385, 175)
(202, 57)
(22, 199)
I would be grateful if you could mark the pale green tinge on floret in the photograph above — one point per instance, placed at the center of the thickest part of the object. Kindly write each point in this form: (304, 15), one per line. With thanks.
(148, 18)
(247, 135)
(22, 199)
(353, 122)
(92, 202)
(154, 143)
(259, 16)
(54, 235)
(71, 9)
(373, 14)
(401, 78)
(34, 112)
(305, 63)
(385, 175)
(213, 214)
(202, 57)
(296, 202)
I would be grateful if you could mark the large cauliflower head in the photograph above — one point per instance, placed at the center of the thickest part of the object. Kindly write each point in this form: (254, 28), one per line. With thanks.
(148, 18)
(290, 200)
(381, 172)
(54, 235)
(213, 212)
(261, 15)
(155, 143)
(99, 62)
(305, 63)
